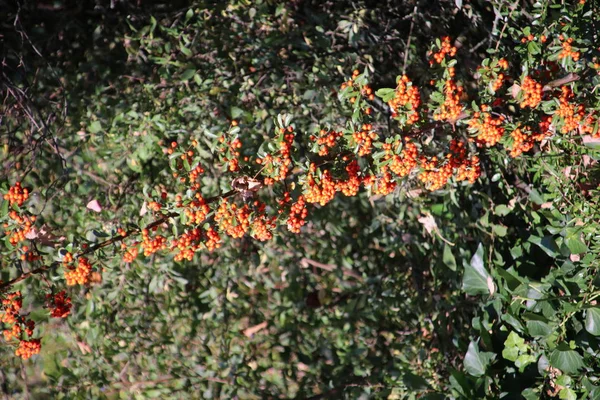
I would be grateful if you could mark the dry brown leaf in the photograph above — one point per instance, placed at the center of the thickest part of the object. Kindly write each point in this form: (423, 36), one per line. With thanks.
(249, 332)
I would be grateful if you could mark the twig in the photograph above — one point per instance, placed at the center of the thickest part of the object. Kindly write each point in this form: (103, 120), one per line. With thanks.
(118, 238)
(412, 24)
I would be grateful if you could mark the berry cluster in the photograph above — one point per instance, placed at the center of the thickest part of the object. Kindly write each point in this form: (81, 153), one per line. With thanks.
(28, 348)
(364, 139)
(406, 96)
(321, 192)
(326, 141)
(489, 130)
(404, 163)
(17, 194)
(569, 115)
(445, 49)
(567, 50)
(298, 214)
(532, 92)
(60, 304)
(11, 305)
(152, 245)
(81, 274)
(233, 220)
(451, 108)
(187, 243)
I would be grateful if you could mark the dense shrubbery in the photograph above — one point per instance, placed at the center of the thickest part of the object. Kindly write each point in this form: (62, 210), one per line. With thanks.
(300, 199)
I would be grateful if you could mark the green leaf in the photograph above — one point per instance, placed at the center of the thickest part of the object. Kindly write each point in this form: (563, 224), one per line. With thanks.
(4, 209)
(513, 346)
(448, 258)
(567, 394)
(500, 230)
(476, 279)
(188, 74)
(538, 328)
(501, 210)
(95, 127)
(592, 321)
(476, 362)
(236, 112)
(187, 52)
(385, 94)
(576, 245)
(546, 243)
(567, 360)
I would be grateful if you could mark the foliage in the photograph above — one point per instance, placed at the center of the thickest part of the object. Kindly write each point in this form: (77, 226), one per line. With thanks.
(300, 199)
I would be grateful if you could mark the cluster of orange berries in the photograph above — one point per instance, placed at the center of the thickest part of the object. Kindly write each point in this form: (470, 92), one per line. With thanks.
(13, 332)
(24, 223)
(571, 114)
(152, 245)
(446, 48)
(383, 184)
(283, 161)
(233, 220)
(233, 164)
(532, 93)
(588, 126)
(28, 348)
(404, 163)
(172, 148)
(498, 82)
(28, 255)
(131, 252)
(524, 139)
(406, 94)
(364, 139)
(213, 240)
(262, 226)
(367, 92)
(285, 149)
(196, 211)
(322, 192)
(350, 186)
(567, 50)
(60, 304)
(17, 194)
(187, 244)
(436, 175)
(451, 108)
(81, 274)
(12, 304)
(193, 177)
(326, 140)
(154, 206)
(298, 214)
(489, 130)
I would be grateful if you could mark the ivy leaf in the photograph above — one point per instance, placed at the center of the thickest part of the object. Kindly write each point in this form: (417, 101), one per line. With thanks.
(575, 245)
(538, 328)
(476, 362)
(567, 360)
(567, 394)
(592, 321)
(476, 279)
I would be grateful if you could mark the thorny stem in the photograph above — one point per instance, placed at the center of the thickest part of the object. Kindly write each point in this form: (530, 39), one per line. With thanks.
(115, 239)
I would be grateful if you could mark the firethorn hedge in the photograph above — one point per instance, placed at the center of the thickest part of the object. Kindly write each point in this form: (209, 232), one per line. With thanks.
(300, 199)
